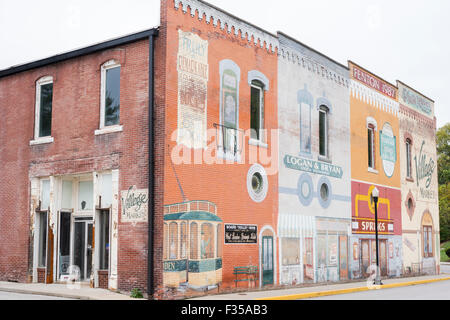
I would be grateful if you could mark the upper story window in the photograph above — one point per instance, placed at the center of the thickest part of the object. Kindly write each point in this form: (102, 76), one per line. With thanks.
(258, 83)
(110, 97)
(408, 159)
(43, 109)
(257, 110)
(323, 132)
(305, 101)
(371, 146)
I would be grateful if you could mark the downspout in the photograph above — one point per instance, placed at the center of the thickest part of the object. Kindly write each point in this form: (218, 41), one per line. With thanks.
(151, 170)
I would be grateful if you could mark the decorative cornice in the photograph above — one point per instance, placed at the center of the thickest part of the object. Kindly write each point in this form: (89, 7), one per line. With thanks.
(215, 15)
(417, 117)
(313, 66)
(374, 98)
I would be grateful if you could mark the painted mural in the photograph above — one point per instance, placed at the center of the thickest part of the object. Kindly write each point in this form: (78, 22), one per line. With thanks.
(314, 222)
(420, 208)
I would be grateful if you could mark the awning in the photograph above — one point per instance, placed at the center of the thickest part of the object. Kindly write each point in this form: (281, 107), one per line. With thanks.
(192, 216)
(295, 225)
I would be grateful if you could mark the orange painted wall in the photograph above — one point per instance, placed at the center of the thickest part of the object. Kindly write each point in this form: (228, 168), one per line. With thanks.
(225, 185)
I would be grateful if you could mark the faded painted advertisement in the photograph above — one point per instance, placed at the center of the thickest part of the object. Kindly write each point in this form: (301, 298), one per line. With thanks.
(134, 205)
(192, 67)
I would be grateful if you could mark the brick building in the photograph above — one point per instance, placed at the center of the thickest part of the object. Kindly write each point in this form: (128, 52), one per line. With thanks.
(207, 151)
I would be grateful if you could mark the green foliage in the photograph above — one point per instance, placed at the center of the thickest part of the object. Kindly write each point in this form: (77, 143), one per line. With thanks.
(443, 149)
(136, 294)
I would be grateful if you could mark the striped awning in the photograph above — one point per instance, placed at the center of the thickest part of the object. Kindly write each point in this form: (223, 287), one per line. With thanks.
(294, 225)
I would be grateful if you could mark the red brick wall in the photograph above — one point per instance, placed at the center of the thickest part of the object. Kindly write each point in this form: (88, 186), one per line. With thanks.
(76, 115)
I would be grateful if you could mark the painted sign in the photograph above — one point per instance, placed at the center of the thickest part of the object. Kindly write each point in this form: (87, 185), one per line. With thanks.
(134, 205)
(388, 150)
(311, 166)
(374, 83)
(193, 70)
(424, 168)
(415, 101)
(241, 234)
(368, 226)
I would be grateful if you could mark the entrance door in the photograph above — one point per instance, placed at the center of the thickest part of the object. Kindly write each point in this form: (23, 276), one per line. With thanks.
(82, 248)
(343, 258)
(267, 261)
(383, 258)
(365, 256)
(64, 245)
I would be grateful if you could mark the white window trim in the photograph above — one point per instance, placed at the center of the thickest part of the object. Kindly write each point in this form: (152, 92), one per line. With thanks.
(111, 64)
(40, 140)
(260, 141)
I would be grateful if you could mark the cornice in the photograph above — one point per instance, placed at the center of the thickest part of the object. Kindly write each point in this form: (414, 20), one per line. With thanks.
(374, 98)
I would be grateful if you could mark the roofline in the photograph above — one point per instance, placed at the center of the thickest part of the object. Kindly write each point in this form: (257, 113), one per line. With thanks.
(314, 50)
(359, 66)
(409, 87)
(80, 52)
(236, 17)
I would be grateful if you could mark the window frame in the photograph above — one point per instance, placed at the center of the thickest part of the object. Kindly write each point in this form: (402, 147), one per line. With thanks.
(256, 84)
(103, 129)
(326, 111)
(37, 112)
(371, 147)
(408, 144)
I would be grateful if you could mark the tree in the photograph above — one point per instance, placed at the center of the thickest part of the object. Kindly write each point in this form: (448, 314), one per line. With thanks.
(443, 149)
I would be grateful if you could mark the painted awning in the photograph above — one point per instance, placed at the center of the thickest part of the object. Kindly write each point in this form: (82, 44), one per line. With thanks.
(294, 225)
(193, 216)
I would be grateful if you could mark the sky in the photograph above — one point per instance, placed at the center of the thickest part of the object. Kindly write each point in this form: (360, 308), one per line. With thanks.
(406, 40)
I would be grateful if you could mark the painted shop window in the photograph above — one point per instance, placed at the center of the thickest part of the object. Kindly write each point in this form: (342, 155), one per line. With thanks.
(166, 242)
(257, 110)
(110, 94)
(207, 242)
(104, 240)
(230, 75)
(323, 132)
(427, 241)
(183, 240)
(194, 241)
(85, 195)
(305, 101)
(308, 259)
(219, 242)
(371, 146)
(44, 105)
(290, 251)
(42, 251)
(173, 241)
(408, 159)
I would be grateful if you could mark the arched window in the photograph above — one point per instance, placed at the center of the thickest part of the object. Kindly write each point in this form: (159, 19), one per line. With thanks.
(110, 94)
(183, 240)
(207, 241)
(371, 145)
(323, 131)
(408, 159)
(194, 241)
(173, 241)
(257, 110)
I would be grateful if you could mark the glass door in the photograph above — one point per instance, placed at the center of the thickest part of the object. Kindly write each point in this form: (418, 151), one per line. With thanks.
(82, 248)
(267, 261)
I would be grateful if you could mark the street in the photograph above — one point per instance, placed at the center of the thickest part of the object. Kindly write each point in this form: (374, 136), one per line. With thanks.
(432, 291)
(19, 296)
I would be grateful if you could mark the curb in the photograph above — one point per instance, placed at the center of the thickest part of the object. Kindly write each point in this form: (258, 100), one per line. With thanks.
(352, 290)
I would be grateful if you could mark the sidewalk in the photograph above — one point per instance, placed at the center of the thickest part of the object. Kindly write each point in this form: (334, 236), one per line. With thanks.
(324, 290)
(61, 290)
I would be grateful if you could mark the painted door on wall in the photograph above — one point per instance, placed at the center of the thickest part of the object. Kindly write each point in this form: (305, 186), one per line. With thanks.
(343, 258)
(365, 257)
(383, 258)
(267, 261)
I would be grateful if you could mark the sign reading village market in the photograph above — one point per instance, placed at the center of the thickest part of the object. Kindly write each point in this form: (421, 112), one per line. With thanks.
(311, 166)
(425, 167)
(135, 205)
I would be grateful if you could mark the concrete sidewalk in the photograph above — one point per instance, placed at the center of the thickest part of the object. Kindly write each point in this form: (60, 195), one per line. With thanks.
(84, 292)
(324, 290)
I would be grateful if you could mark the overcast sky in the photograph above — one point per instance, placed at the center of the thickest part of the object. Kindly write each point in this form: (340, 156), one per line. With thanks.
(406, 40)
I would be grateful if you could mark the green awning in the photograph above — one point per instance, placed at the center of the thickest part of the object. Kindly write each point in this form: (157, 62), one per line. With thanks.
(193, 215)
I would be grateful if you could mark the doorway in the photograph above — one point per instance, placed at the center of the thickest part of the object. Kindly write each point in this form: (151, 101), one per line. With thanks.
(267, 261)
(369, 256)
(82, 246)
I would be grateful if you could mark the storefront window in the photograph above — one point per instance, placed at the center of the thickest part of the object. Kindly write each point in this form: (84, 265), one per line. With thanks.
(194, 241)
(85, 195)
(183, 241)
(104, 240)
(427, 241)
(42, 258)
(207, 242)
(290, 251)
(173, 241)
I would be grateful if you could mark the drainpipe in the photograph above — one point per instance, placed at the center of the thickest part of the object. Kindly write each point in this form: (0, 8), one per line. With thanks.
(151, 170)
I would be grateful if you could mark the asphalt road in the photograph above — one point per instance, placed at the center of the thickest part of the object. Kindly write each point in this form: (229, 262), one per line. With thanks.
(20, 296)
(432, 291)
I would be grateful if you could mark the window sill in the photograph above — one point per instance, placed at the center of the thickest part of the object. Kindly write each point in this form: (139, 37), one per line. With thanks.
(372, 171)
(409, 179)
(228, 156)
(40, 141)
(324, 159)
(107, 130)
(258, 143)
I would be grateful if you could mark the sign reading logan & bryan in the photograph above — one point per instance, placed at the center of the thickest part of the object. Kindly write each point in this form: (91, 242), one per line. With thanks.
(311, 166)
(134, 205)
(241, 234)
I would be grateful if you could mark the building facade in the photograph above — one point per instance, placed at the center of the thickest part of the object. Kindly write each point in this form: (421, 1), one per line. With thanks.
(209, 155)
(314, 217)
(420, 206)
(374, 126)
